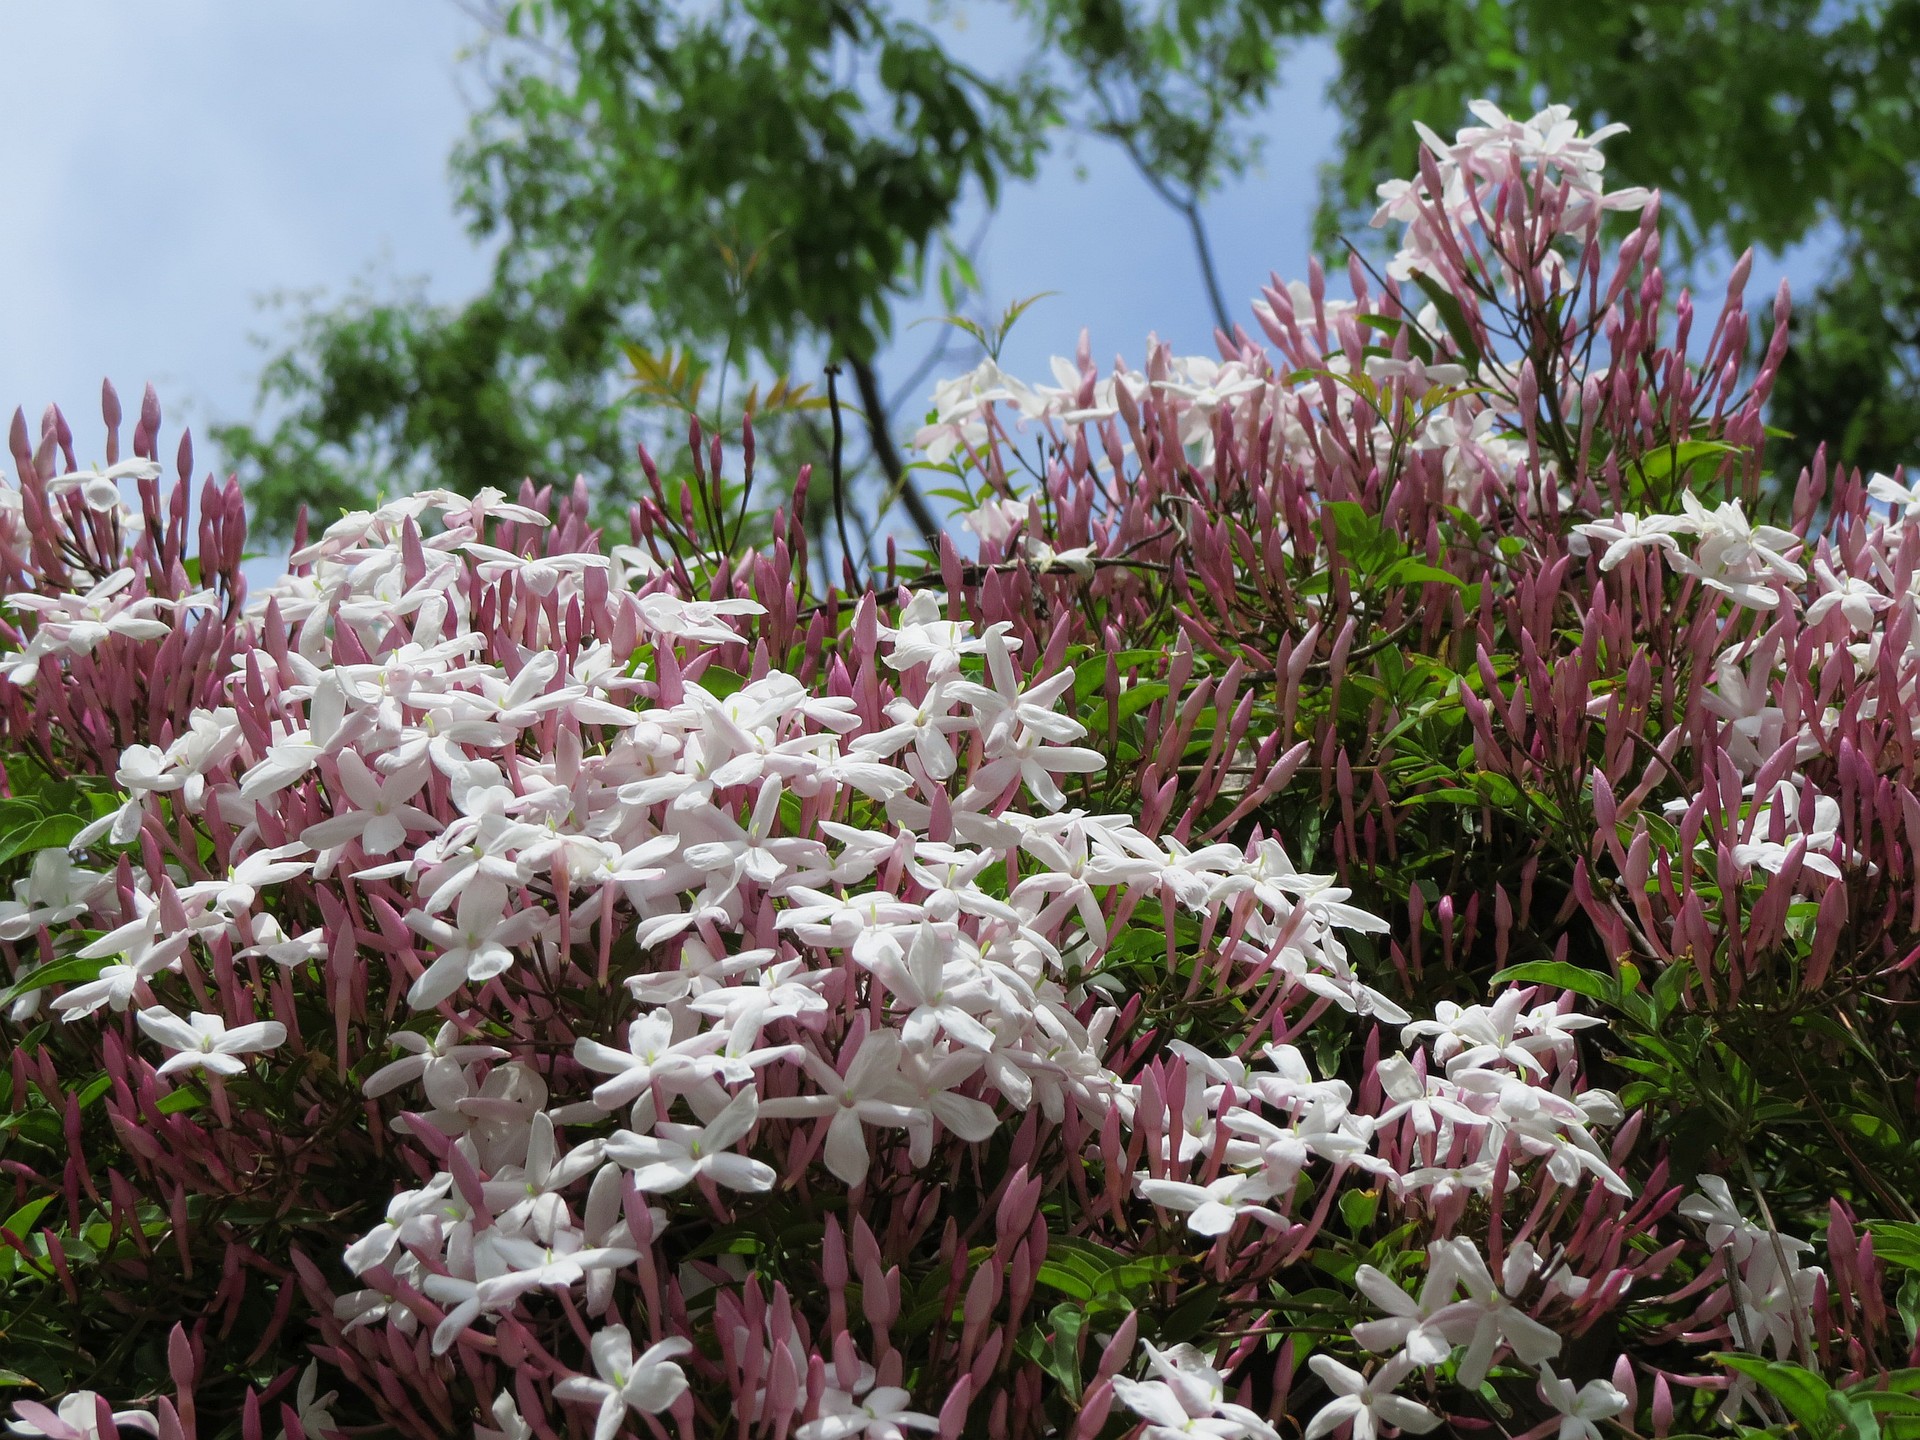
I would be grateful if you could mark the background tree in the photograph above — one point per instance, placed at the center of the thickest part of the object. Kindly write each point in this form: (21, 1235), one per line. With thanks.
(1171, 85)
(755, 187)
(759, 183)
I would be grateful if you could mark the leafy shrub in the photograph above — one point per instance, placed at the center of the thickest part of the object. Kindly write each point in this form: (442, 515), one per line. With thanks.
(1158, 976)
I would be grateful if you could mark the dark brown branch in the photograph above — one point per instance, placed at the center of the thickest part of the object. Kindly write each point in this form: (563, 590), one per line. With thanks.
(888, 453)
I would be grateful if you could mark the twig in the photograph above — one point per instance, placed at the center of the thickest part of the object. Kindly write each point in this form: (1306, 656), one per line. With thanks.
(839, 481)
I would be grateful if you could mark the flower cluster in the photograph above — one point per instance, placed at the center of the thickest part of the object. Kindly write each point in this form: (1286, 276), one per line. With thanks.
(816, 967)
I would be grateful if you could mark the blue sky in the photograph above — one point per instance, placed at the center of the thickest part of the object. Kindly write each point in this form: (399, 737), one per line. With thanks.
(167, 166)
(170, 167)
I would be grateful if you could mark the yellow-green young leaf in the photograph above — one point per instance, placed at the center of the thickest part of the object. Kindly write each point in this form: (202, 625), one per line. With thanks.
(21, 1221)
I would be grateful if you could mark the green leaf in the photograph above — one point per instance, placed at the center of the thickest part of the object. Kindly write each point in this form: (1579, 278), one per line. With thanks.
(1907, 1302)
(1064, 1279)
(1804, 1394)
(1561, 975)
(1138, 696)
(1659, 464)
(51, 832)
(1880, 1402)
(94, 1089)
(1856, 1414)
(1668, 990)
(1451, 316)
(1418, 572)
(56, 972)
(1898, 1382)
(1467, 798)
(1896, 1242)
(1357, 1209)
(1063, 1358)
(1078, 1268)
(1496, 789)
(1090, 675)
(1187, 1318)
(21, 1221)
(719, 682)
(1360, 536)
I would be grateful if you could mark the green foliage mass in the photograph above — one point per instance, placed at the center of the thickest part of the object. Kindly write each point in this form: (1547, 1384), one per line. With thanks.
(761, 180)
(765, 181)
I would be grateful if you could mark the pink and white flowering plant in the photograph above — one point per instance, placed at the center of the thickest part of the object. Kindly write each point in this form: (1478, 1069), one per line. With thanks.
(1152, 978)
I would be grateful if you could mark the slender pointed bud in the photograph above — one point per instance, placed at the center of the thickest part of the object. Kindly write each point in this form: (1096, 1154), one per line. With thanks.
(1843, 1252)
(1094, 1409)
(1627, 1383)
(1015, 1204)
(983, 1292)
(1871, 1284)
(833, 1269)
(182, 1365)
(1119, 1349)
(1828, 927)
(953, 1414)
(1020, 1276)
(1604, 814)
(846, 1361)
(1662, 1407)
(984, 1361)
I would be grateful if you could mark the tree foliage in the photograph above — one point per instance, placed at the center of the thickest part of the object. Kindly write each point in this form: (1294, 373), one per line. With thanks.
(764, 180)
(767, 181)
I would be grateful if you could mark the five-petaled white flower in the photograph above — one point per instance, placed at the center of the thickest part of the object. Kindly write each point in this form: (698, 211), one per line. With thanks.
(647, 1383)
(1368, 1401)
(1580, 1408)
(676, 1155)
(204, 1042)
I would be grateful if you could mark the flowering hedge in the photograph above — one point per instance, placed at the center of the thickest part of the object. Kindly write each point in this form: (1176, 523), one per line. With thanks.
(1381, 898)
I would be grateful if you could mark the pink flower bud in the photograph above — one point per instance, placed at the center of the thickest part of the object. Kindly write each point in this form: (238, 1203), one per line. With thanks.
(953, 1414)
